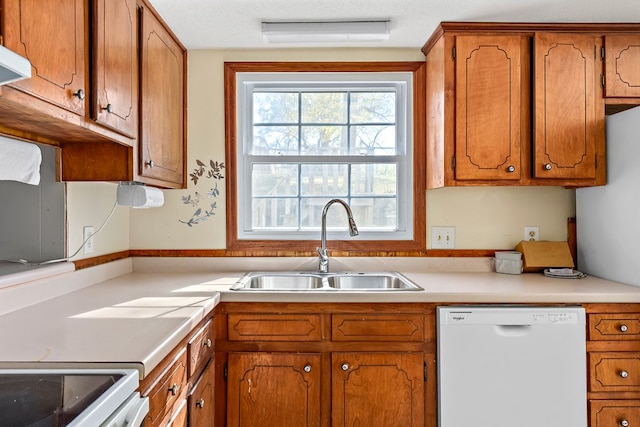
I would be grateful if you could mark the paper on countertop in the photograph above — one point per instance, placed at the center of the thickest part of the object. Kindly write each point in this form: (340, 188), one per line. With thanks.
(19, 161)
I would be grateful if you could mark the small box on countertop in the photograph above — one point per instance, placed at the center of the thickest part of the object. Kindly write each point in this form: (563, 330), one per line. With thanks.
(508, 262)
(538, 255)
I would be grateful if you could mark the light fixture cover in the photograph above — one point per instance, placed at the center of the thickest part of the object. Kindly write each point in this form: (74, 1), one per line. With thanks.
(325, 31)
(137, 195)
(13, 67)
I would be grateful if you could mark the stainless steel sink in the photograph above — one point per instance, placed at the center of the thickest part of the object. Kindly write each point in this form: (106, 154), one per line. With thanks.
(326, 282)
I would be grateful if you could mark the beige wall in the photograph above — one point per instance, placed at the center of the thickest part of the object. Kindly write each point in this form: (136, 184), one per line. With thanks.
(483, 217)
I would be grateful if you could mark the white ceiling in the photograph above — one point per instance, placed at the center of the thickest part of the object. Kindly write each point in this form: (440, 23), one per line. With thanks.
(223, 24)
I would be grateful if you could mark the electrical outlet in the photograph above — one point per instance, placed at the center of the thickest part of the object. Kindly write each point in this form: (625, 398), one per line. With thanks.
(531, 233)
(87, 238)
(443, 237)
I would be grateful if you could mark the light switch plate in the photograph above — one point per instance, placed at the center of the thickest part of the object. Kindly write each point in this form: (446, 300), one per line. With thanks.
(443, 237)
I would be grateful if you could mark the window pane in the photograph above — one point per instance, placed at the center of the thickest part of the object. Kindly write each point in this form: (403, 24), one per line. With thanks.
(324, 180)
(275, 140)
(372, 140)
(275, 107)
(374, 179)
(373, 107)
(274, 180)
(269, 212)
(324, 140)
(311, 210)
(375, 213)
(324, 107)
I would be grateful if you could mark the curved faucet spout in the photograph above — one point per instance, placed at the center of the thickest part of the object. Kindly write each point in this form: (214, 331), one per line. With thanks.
(323, 265)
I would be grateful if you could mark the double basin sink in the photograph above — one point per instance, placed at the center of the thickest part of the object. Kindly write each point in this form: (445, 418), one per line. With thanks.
(315, 281)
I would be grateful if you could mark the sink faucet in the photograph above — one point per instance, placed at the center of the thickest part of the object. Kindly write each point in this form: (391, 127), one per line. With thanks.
(322, 250)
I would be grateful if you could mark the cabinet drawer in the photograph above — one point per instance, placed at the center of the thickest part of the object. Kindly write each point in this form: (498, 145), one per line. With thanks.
(274, 327)
(614, 371)
(623, 326)
(200, 348)
(613, 413)
(170, 388)
(377, 327)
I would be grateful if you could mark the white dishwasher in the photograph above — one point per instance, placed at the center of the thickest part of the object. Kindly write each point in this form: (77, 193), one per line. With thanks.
(511, 366)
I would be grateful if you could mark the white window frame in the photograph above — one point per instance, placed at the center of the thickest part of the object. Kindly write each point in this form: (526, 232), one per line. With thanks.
(247, 82)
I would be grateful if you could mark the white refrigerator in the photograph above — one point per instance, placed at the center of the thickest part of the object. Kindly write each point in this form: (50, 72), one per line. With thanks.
(608, 217)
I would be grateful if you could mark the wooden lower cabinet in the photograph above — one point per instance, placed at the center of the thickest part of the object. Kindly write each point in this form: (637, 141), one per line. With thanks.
(201, 399)
(613, 348)
(325, 365)
(273, 389)
(377, 389)
(181, 388)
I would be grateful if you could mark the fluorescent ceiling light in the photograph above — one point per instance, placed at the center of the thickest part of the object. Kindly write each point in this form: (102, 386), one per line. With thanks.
(13, 67)
(325, 31)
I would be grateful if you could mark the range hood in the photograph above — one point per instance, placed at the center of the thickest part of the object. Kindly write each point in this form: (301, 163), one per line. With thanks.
(13, 67)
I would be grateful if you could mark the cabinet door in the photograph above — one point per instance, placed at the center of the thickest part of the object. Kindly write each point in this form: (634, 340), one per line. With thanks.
(50, 34)
(377, 389)
(201, 399)
(115, 59)
(490, 109)
(622, 65)
(569, 106)
(273, 389)
(161, 142)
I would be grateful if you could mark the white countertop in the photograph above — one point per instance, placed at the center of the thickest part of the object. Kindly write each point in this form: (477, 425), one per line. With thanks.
(136, 311)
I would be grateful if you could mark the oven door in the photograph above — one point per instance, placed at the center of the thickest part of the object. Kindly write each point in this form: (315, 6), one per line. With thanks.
(130, 414)
(70, 397)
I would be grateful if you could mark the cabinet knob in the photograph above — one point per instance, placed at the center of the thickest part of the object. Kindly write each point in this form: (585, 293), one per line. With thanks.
(79, 94)
(345, 366)
(109, 108)
(547, 166)
(207, 343)
(174, 389)
(200, 403)
(623, 374)
(624, 328)
(511, 169)
(150, 163)
(307, 368)
(624, 423)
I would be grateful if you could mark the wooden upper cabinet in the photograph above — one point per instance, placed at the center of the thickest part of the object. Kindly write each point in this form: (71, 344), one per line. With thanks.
(491, 74)
(115, 65)
(161, 144)
(51, 35)
(622, 65)
(569, 107)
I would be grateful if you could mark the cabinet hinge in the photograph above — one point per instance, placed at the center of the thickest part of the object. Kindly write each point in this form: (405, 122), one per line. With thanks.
(602, 53)
(425, 371)
(602, 81)
(453, 163)
(226, 371)
(1, 40)
(453, 52)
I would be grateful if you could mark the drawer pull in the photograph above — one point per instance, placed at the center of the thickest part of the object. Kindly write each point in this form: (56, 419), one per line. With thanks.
(623, 374)
(207, 343)
(624, 423)
(174, 389)
(624, 328)
(307, 368)
(79, 94)
(200, 403)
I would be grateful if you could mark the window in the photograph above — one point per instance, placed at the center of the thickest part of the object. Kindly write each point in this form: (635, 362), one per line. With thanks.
(302, 134)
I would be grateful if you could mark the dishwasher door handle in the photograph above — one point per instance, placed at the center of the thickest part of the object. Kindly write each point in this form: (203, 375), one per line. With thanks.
(512, 330)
